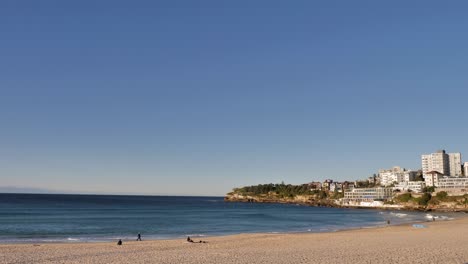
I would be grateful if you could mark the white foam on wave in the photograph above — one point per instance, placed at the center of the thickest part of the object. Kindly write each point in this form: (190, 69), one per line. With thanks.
(196, 235)
(439, 217)
(399, 214)
(443, 217)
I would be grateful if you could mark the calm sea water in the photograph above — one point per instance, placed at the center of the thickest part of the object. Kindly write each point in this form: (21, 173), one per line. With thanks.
(62, 218)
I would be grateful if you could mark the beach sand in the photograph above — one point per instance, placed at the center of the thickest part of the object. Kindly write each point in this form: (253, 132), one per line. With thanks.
(439, 242)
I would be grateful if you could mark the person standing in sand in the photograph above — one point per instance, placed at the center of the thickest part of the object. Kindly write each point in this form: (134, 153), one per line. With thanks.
(139, 237)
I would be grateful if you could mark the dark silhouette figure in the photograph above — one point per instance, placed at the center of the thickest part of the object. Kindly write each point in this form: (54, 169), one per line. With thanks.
(191, 241)
(139, 237)
(120, 242)
(388, 222)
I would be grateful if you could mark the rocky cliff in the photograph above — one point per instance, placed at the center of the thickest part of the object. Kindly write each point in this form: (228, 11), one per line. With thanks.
(310, 200)
(314, 200)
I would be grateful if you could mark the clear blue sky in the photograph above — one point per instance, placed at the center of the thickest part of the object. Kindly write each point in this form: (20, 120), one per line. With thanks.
(198, 97)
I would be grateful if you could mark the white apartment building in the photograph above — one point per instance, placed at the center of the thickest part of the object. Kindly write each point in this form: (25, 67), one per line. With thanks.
(409, 175)
(465, 169)
(432, 178)
(447, 164)
(387, 178)
(455, 164)
(395, 174)
(414, 186)
(453, 185)
(367, 194)
(438, 161)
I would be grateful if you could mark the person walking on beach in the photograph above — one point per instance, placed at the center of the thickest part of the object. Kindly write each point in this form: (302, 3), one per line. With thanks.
(139, 237)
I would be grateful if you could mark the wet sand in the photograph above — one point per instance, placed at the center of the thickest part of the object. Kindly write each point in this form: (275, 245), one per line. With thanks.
(439, 242)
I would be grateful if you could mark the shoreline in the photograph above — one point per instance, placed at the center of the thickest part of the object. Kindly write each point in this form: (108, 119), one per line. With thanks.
(332, 205)
(407, 224)
(436, 242)
(198, 237)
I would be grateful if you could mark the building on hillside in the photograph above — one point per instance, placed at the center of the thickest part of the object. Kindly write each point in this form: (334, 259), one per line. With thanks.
(388, 177)
(374, 180)
(409, 176)
(414, 186)
(453, 185)
(431, 178)
(358, 195)
(455, 164)
(465, 169)
(396, 175)
(447, 164)
(336, 187)
(438, 161)
(346, 185)
(315, 186)
(326, 184)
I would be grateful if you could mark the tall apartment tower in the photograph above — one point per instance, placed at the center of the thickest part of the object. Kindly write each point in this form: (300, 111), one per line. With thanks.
(438, 161)
(447, 164)
(455, 164)
(465, 169)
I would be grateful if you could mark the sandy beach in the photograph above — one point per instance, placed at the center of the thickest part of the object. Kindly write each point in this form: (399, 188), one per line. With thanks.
(438, 242)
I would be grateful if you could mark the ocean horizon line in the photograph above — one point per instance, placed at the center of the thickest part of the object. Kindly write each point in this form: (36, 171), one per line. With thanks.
(111, 194)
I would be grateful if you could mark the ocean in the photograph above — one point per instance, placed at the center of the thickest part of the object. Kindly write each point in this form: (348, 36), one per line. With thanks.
(31, 218)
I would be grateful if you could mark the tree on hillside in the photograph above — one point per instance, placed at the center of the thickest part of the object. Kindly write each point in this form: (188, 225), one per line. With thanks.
(282, 190)
(404, 197)
(429, 189)
(424, 199)
(322, 195)
(442, 195)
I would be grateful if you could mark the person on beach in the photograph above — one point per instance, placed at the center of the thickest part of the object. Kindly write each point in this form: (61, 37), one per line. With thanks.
(191, 241)
(388, 222)
(139, 237)
(119, 243)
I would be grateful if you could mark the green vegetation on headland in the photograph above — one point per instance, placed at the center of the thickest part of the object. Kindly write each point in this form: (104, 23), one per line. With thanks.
(283, 193)
(426, 199)
(429, 199)
(280, 190)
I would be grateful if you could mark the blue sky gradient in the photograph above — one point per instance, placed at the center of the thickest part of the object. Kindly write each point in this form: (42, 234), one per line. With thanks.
(198, 97)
